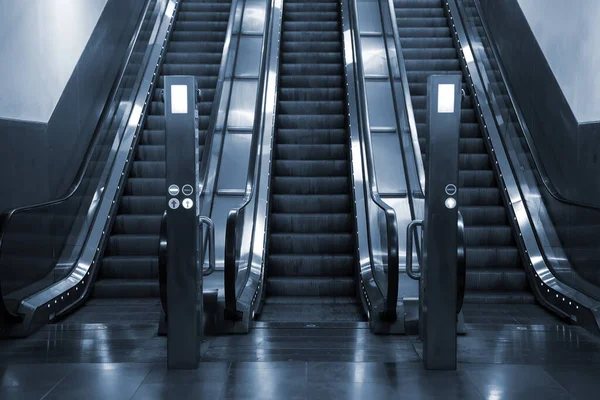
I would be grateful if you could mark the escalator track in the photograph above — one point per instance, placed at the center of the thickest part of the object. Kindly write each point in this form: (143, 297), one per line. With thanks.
(311, 256)
(130, 264)
(495, 271)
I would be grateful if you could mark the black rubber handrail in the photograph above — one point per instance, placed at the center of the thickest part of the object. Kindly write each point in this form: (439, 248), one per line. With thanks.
(109, 109)
(538, 164)
(391, 297)
(162, 262)
(461, 262)
(231, 231)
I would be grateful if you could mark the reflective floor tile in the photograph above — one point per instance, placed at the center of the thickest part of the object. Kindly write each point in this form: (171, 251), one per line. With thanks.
(207, 372)
(582, 382)
(515, 381)
(101, 381)
(17, 393)
(166, 391)
(41, 376)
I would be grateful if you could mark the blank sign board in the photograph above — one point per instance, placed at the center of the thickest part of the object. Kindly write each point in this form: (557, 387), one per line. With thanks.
(445, 98)
(179, 101)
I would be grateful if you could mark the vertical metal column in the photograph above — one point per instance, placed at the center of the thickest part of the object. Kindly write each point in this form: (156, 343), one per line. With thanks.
(439, 241)
(184, 304)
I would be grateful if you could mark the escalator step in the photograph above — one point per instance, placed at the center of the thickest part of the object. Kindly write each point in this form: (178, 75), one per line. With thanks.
(310, 286)
(330, 204)
(311, 261)
(311, 152)
(311, 168)
(311, 309)
(131, 267)
(310, 223)
(126, 288)
(499, 297)
(310, 185)
(311, 243)
(311, 136)
(137, 224)
(496, 279)
(311, 265)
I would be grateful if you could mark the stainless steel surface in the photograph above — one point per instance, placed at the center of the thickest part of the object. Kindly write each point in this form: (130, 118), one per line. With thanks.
(376, 221)
(247, 222)
(549, 290)
(73, 288)
(235, 161)
(37, 63)
(409, 140)
(409, 132)
(254, 18)
(211, 147)
(214, 150)
(249, 52)
(211, 247)
(399, 166)
(243, 97)
(230, 155)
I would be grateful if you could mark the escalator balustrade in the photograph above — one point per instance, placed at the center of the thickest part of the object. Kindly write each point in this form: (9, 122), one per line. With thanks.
(130, 264)
(495, 272)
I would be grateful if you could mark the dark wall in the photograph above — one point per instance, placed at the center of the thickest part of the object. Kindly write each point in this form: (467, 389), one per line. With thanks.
(568, 150)
(39, 162)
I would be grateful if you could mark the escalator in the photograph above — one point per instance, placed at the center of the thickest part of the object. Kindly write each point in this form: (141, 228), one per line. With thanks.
(311, 254)
(495, 271)
(130, 264)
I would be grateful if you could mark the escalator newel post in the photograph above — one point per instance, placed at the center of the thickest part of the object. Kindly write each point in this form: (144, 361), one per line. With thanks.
(439, 276)
(183, 280)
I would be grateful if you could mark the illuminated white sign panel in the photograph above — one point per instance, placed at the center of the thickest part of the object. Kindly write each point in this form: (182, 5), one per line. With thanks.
(179, 101)
(445, 98)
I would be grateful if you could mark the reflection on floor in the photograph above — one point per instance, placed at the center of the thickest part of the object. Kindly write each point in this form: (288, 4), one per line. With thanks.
(509, 352)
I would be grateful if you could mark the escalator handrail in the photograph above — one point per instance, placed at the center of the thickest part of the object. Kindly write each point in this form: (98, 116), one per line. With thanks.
(210, 132)
(538, 164)
(90, 150)
(391, 297)
(5, 217)
(461, 262)
(418, 158)
(231, 225)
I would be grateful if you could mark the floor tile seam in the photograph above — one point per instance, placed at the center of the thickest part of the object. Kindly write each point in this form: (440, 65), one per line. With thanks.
(558, 383)
(472, 381)
(57, 383)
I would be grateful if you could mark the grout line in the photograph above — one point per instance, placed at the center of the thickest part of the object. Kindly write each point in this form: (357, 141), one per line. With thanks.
(143, 380)
(57, 383)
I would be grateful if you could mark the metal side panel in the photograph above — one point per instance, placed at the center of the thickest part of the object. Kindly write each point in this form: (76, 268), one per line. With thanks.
(371, 291)
(230, 166)
(383, 102)
(250, 288)
(247, 113)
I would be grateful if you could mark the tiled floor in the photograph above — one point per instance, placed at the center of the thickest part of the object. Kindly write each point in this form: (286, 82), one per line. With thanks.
(508, 353)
